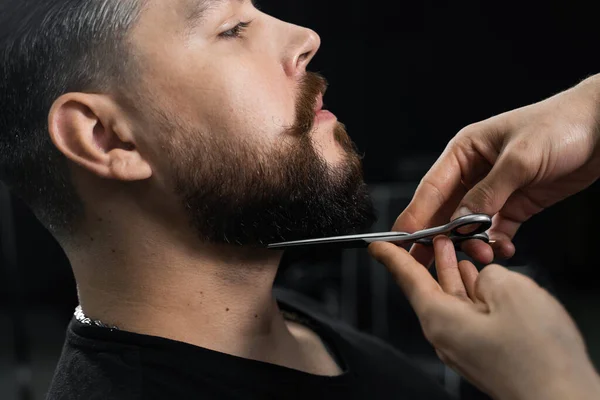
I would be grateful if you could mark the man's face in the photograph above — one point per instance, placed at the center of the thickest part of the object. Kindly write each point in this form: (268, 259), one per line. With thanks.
(226, 116)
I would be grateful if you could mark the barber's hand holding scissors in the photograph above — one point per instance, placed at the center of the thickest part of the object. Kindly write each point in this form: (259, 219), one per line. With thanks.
(500, 329)
(497, 328)
(511, 167)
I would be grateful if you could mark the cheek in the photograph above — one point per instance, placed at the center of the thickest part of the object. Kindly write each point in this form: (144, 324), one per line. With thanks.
(251, 101)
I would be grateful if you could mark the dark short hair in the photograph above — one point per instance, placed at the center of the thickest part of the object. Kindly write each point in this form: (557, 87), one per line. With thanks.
(49, 48)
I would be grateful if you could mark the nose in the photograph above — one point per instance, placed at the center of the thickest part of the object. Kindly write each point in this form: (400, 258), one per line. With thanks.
(304, 44)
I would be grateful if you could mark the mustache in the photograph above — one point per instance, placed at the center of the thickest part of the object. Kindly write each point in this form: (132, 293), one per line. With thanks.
(311, 85)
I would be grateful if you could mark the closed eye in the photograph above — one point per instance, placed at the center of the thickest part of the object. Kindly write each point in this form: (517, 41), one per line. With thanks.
(235, 32)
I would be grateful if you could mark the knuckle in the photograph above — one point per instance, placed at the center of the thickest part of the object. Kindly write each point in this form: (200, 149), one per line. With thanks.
(483, 194)
(434, 191)
(470, 131)
(407, 220)
(517, 156)
(520, 158)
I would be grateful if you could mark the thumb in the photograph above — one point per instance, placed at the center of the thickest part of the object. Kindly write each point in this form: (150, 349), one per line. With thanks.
(491, 193)
(414, 279)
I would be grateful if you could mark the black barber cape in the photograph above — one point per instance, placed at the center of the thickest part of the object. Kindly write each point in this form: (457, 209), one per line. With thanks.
(104, 364)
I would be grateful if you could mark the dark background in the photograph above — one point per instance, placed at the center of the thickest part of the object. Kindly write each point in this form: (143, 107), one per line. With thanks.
(405, 77)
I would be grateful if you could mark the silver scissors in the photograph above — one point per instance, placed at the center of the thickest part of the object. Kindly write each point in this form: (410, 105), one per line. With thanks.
(475, 224)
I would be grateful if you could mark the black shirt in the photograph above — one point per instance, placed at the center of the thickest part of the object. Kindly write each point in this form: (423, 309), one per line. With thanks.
(100, 363)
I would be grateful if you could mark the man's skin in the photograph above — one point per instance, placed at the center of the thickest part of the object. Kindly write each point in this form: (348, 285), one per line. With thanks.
(498, 328)
(138, 262)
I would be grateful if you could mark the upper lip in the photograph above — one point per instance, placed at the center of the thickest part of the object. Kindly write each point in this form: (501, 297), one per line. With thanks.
(319, 105)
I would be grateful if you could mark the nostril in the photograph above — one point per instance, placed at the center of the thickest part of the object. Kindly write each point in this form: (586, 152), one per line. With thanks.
(304, 56)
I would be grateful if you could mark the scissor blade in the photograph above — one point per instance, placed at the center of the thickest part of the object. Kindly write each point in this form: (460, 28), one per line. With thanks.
(349, 244)
(344, 242)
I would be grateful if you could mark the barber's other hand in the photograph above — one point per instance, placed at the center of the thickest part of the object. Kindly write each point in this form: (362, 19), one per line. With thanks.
(511, 167)
(499, 329)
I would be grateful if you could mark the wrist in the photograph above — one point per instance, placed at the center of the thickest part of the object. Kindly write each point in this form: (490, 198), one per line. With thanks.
(576, 389)
(581, 385)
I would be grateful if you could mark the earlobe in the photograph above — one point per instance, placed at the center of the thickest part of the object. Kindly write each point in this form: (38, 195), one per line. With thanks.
(127, 165)
(88, 130)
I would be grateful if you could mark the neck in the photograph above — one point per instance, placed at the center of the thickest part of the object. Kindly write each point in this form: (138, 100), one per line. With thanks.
(151, 281)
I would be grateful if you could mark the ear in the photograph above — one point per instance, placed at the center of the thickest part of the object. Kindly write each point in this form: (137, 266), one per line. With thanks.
(92, 131)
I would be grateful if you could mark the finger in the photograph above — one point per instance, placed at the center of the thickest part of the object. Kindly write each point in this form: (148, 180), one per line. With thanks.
(502, 231)
(462, 164)
(413, 278)
(447, 268)
(436, 197)
(478, 250)
(491, 193)
(519, 208)
(423, 254)
(502, 223)
(492, 285)
(469, 275)
(503, 246)
(445, 320)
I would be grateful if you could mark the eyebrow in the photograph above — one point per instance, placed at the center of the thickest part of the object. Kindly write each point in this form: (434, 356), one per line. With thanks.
(199, 8)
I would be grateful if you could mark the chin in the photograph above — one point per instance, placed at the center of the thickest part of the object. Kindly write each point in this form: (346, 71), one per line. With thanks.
(327, 146)
(331, 153)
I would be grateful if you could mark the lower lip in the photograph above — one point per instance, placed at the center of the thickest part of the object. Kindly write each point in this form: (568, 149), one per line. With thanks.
(324, 115)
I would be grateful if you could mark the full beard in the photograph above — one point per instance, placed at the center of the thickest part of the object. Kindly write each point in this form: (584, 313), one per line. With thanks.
(238, 193)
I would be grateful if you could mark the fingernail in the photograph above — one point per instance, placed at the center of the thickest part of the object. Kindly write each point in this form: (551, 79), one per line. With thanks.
(461, 212)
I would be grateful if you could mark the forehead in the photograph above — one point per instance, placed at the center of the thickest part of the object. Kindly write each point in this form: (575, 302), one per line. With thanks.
(199, 8)
(176, 13)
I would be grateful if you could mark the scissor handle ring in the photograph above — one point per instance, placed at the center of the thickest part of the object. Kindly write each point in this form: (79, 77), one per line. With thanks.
(483, 221)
